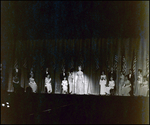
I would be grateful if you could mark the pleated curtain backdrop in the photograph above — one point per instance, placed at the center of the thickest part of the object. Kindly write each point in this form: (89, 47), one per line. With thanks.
(94, 55)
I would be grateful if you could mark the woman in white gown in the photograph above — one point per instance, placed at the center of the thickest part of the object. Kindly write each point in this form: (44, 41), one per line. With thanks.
(144, 87)
(79, 84)
(102, 83)
(126, 88)
(110, 86)
(48, 84)
(64, 86)
(71, 82)
(139, 81)
(32, 83)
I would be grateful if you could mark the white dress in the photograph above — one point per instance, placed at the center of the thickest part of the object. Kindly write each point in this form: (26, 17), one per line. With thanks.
(33, 84)
(110, 86)
(64, 86)
(102, 83)
(71, 84)
(139, 83)
(48, 84)
(79, 85)
(144, 89)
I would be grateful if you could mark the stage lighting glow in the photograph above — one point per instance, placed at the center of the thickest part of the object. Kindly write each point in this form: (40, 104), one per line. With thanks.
(7, 103)
(3, 104)
(8, 106)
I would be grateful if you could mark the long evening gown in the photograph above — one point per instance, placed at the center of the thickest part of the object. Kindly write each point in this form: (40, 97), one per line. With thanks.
(33, 85)
(64, 86)
(121, 84)
(144, 89)
(71, 83)
(103, 85)
(139, 83)
(80, 83)
(127, 88)
(48, 84)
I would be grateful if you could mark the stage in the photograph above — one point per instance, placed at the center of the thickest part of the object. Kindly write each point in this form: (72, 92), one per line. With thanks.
(57, 108)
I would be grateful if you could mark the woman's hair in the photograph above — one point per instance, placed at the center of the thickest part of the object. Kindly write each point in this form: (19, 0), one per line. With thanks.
(140, 70)
(122, 72)
(79, 66)
(71, 70)
(48, 74)
(103, 71)
(111, 77)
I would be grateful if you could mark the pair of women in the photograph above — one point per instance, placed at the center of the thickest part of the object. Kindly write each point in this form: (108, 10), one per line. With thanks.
(75, 83)
(124, 85)
(142, 84)
(33, 84)
(104, 88)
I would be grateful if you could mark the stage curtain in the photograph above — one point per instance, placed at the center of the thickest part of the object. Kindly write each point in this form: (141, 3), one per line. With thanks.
(94, 55)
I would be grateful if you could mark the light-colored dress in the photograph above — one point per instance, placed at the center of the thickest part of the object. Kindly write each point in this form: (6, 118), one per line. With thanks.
(139, 83)
(110, 86)
(102, 83)
(64, 86)
(33, 84)
(48, 84)
(144, 89)
(126, 88)
(121, 83)
(71, 83)
(79, 85)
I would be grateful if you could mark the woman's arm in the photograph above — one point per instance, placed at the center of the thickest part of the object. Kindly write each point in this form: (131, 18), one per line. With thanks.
(113, 84)
(82, 78)
(49, 80)
(15, 81)
(123, 85)
(128, 85)
(145, 83)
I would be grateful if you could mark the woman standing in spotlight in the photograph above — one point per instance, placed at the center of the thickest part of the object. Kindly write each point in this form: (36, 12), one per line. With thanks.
(48, 84)
(79, 84)
(121, 82)
(102, 83)
(71, 82)
(32, 83)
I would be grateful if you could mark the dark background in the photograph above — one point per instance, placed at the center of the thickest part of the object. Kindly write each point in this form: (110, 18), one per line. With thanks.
(44, 20)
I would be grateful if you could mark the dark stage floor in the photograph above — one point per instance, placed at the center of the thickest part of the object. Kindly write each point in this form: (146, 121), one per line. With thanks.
(57, 108)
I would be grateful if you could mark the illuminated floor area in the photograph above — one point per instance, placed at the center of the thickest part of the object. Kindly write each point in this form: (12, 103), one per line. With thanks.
(58, 108)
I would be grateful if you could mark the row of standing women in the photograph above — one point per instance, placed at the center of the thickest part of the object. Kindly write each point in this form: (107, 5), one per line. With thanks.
(75, 85)
(107, 88)
(67, 82)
